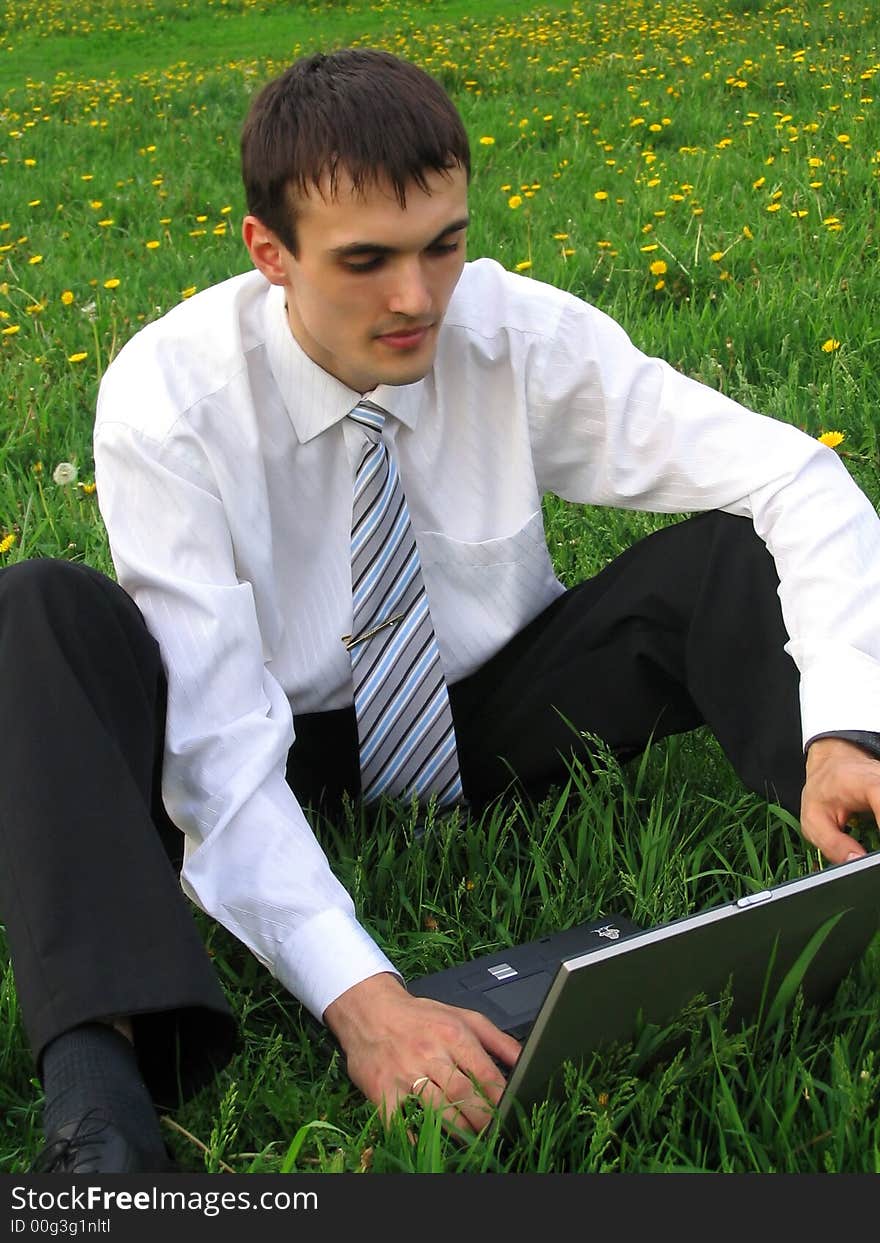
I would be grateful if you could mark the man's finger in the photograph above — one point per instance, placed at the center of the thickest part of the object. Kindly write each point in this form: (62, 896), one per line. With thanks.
(821, 829)
(496, 1042)
(463, 1110)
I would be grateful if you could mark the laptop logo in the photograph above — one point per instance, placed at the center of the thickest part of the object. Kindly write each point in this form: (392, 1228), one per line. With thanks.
(609, 932)
(503, 971)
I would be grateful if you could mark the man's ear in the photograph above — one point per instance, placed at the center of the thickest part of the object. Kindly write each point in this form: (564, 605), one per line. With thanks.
(264, 249)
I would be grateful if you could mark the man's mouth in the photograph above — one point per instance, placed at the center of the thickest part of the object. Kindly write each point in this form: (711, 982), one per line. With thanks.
(403, 338)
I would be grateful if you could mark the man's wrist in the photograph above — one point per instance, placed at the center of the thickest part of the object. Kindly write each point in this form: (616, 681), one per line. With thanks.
(352, 1010)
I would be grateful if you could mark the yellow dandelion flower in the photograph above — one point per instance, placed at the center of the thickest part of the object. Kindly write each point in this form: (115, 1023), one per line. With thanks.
(514, 201)
(829, 346)
(661, 284)
(77, 358)
(600, 196)
(153, 245)
(773, 206)
(67, 297)
(560, 237)
(188, 292)
(717, 256)
(646, 250)
(747, 232)
(6, 543)
(11, 330)
(112, 283)
(35, 259)
(831, 439)
(658, 267)
(224, 211)
(487, 141)
(89, 488)
(524, 266)
(844, 138)
(756, 185)
(105, 224)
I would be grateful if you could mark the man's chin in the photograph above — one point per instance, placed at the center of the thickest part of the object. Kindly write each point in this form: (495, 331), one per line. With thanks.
(405, 370)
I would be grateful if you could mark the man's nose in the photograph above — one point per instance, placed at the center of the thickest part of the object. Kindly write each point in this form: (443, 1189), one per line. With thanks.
(410, 294)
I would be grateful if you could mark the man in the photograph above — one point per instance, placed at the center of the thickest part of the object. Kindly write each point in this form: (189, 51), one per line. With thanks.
(322, 484)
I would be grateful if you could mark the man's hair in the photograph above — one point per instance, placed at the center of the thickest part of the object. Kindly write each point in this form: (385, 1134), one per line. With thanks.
(357, 111)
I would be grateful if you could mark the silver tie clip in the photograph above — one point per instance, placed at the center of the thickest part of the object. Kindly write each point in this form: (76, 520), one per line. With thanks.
(349, 641)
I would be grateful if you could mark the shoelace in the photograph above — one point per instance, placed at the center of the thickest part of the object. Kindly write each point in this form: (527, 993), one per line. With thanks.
(62, 1155)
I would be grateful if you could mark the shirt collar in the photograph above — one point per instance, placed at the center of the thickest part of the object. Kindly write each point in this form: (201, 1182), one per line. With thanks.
(313, 398)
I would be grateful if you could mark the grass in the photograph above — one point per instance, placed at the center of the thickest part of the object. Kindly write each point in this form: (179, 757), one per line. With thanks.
(710, 178)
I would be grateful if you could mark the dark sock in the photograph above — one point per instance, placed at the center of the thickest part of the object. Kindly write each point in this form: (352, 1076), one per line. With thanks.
(94, 1067)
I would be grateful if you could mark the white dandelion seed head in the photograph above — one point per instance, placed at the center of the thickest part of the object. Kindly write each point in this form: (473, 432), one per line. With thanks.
(64, 473)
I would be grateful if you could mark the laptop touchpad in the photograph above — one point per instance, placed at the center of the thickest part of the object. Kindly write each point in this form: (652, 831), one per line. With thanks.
(521, 997)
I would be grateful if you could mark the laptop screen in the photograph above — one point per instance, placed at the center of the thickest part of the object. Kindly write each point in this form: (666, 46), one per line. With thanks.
(803, 933)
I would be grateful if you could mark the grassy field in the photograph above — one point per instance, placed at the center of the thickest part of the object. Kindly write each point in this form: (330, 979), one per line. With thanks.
(708, 175)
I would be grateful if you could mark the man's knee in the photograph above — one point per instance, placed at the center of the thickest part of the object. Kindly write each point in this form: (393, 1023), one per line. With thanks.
(45, 578)
(61, 590)
(730, 539)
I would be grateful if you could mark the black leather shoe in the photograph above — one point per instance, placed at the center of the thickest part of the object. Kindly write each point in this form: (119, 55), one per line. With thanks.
(93, 1145)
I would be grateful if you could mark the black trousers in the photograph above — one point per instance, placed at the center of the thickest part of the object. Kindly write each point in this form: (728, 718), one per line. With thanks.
(683, 629)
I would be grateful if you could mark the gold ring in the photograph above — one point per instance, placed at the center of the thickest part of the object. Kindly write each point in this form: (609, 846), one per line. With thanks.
(419, 1083)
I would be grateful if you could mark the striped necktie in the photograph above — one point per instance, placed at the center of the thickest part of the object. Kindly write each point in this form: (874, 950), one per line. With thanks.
(405, 730)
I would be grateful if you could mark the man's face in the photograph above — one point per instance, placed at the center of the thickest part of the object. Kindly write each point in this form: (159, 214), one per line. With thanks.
(371, 280)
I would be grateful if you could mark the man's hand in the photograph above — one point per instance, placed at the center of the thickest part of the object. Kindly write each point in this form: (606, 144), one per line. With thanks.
(842, 780)
(396, 1044)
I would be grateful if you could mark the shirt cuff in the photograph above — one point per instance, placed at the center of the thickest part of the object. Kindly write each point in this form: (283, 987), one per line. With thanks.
(863, 738)
(326, 956)
(839, 692)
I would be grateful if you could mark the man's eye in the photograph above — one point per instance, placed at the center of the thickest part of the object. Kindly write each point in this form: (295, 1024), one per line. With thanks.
(444, 248)
(363, 265)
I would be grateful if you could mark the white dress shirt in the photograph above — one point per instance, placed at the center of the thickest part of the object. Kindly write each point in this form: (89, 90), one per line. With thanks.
(224, 471)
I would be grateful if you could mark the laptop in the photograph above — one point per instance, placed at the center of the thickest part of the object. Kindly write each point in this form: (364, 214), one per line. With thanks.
(573, 993)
